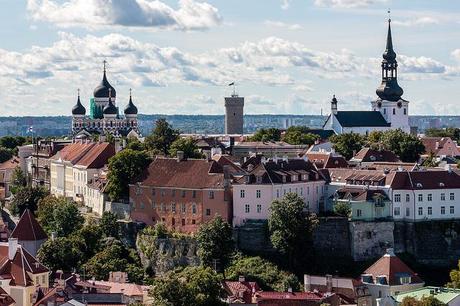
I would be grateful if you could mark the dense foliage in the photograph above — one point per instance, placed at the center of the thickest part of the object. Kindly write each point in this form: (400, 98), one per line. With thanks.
(18, 180)
(109, 225)
(342, 209)
(186, 145)
(59, 215)
(408, 147)
(300, 135)
(452, 132)
(424, 301)
(161, 138)
(192, 286)
(267, 275)
(347, 144)
(215, 243)
(270, 134)
(27, 198)
(291, 228)
(5, 154)
(123, 168)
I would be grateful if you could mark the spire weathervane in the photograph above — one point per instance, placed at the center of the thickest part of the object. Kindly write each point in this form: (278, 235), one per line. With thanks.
(130, 92)
(105, 63)
(389, 15)
(78, 92)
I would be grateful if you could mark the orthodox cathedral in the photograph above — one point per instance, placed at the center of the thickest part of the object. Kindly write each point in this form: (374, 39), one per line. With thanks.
(389, 110)
(104, 116)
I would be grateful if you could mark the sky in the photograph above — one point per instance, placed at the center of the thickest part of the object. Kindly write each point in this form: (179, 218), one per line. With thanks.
(285, 56)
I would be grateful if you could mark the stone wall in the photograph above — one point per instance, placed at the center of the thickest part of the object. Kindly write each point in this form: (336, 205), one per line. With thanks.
(370, 239)
(332, 238)
(253, 236)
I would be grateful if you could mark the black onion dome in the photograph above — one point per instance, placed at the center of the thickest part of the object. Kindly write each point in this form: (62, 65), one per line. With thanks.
(390, 90)
(110, 108)
(78, 108)
(130, 109)
(102, 90)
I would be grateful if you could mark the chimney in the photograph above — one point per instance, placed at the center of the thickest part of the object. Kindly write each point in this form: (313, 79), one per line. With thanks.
(307, 282)
(241, 279)
(290, 289)
(437, 145)
(180, 156)
(12, 247)
(328, 283)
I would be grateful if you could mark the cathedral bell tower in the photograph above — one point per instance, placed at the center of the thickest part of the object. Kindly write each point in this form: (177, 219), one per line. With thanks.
(389, 103)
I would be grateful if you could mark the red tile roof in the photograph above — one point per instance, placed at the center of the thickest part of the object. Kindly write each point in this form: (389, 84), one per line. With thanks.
(390, 266)
(436, 145)
(88, 155)
(327, 160)
(191, 173)
(28, 229)
(241, 291)
(414, 180)
(304, 296)
(371, 155)
(5, 299)
(10, 164)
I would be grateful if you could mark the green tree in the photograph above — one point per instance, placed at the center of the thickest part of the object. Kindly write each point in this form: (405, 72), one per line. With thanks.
(45, 211)
(18, 180)
(91, 235)
(454, 277)
(424, 301)
(347, 144)
(109, 224)
(430, 161)
(161, 137)
(270, 134)
(290, 227)
(266, 274)
(109, 138)
(27, 198)
(186, 145)
(134, 144)
(66, 218)
(408, 147)
(215, 242)
(342, 209)
(452, 132)
(5, 154)
(12, 142)
(193, 286)
(61, 253)
(123, 168)
(299, 135)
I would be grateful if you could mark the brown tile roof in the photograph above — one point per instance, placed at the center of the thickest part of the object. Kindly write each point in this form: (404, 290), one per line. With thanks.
(10, 164)
(191, 173)
(390, 266)
(441, 179)
(359, 176)
(371, 155)
(436, 144)
(88, 155)
(303, 296)
(327, 160)
(359, 193)
(28, 229)
(128, 289)
(241, 292)
(267, 145)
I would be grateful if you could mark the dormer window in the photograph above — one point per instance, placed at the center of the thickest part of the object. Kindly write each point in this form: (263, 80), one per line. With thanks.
(405, 280)
(259, 179)
(294, 178)
(304, 177)
(284, 179)
(247, 179)
(419, 185)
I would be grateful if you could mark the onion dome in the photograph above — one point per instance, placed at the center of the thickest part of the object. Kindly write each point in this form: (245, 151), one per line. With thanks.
(78, 108)
(110, 108)
(102, 90)
(130, 109)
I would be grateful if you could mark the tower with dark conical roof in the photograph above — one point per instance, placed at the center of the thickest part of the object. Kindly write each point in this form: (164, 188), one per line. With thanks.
(390, 103)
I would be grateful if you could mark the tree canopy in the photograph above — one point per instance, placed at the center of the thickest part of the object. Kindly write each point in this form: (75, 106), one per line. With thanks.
(18, 180)
(424, 301)
(27, 198)
(452, 132)
(215, 243)
(5, 154)
(408, 147)
(299, 135)
(270, 134)
(109, 224)
(123, 168)
(186, 145)
(59, 215)
(347, 144)
(162, 136)
(290, 227)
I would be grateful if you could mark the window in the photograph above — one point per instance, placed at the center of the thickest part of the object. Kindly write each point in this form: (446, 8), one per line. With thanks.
(407, 197)
(43, 279)
(452, 196)
(394, 111)
(277, 193)
(173, 193)
(142, 205)
(359, 213)
(443, 196)
(405, 111)
(316, 189)
(173, 207)
(397, 197)
(259, 208)
(153, 205)
(407, 211)
(173, 221)
(163, 192)
(242, 193)
(430, 197)
(182, 208)
(443, 210)
(397, 211)
(384, 111)
(247, 208)
(405, 280)
(193, 208)
(193, 193)
(308, 190)
(452, 210)
(208, 211)
(163, 207)
(430, 210)
(420, 197)
(193, 221)
(258, 193)
(183, 193)
(211, 194)
(420, 211)
(183, 222)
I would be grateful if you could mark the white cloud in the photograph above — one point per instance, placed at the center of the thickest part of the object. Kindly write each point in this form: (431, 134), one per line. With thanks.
(346, 3)
(191, 15)
(420, 64)
(279, 24)
(418, 21)
(456, 54)
(285, 4)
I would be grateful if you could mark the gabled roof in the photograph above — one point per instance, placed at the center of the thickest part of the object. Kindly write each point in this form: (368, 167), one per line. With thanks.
(87, 155)
(190, 173)
(241, 291)
(327, 160)
(28, 229)
(436, 144)
(360, 194)
(10, 164)
(423, 179)
(371, 155)
(361, 119)
(5, 298)
(390, 266)
(293, 296)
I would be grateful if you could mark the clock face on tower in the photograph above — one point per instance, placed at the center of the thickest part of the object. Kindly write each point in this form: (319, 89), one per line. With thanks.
(399, 104)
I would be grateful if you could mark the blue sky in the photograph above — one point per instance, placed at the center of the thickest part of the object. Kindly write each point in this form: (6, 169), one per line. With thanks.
(286, 56)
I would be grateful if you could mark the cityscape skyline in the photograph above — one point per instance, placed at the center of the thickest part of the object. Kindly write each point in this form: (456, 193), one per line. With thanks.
(183, 62)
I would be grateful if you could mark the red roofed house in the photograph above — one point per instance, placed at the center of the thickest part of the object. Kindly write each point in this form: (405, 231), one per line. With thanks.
(29, 233)
(388, 276)
(270, 298)
(368, 155)
(327, 160)
(6, 299)
(181, 193)
(20, 272)
(241, 291)
(74, 166)
(6, 171)
(440, 146)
